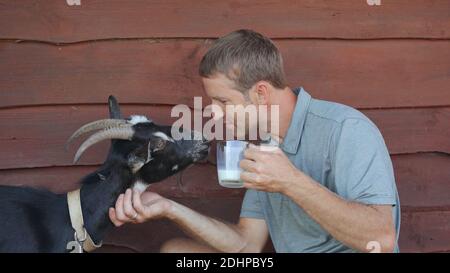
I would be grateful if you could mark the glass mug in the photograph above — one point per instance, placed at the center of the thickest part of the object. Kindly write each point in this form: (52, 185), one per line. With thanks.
(229, 154)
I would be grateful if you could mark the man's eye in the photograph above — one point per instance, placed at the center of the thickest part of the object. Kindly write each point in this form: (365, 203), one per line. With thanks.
(221, 101)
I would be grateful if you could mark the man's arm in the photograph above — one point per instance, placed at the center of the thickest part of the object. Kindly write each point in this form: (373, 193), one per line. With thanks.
(354, 224)
(249, 235)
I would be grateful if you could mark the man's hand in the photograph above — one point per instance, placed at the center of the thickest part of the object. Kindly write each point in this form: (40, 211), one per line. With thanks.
(268, 169)
(137, 207)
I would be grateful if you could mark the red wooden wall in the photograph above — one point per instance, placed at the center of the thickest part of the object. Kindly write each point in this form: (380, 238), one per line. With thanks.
(58, 64)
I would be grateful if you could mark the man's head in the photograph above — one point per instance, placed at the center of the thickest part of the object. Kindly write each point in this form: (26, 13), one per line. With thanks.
(242, 68)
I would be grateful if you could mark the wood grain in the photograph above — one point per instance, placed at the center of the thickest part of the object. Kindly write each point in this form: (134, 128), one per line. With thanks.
(55, 21)
(362, 74)
(35, 136)
(425, 231)
(422, 180)
(197, 181)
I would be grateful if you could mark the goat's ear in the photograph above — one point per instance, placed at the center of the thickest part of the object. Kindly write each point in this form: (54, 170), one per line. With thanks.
(114, 109)
(114, 112)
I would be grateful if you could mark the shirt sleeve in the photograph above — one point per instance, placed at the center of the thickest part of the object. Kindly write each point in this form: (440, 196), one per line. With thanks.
(251, 206)
(363, 167)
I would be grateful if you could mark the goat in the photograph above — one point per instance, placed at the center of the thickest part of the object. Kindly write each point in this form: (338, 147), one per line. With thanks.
(141, 152)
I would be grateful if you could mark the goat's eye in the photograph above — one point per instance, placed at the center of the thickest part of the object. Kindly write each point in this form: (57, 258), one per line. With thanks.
(159, 145)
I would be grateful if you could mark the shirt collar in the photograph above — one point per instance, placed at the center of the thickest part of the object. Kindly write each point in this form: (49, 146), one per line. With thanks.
(294, 133)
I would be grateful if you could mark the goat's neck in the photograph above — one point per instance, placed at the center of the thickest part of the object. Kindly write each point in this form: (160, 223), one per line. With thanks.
(98, 195)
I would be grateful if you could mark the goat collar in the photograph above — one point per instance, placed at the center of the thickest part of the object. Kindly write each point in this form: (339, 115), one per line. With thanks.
(76, 219)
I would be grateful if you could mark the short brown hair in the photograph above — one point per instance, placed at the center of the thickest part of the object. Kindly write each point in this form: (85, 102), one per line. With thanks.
(245, 57)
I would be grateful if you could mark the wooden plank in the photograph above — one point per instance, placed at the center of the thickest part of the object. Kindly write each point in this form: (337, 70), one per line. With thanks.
(135, 71)
(55, 21)
(371, 74)
(362, 74)
(414, 130)
(199, 180)
(425, 231)
(35, 136)
(422, 180)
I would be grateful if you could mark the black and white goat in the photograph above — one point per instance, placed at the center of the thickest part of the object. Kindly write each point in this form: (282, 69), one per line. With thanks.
(141, 152)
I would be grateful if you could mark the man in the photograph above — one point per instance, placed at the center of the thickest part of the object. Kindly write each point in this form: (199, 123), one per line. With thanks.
(329, 187)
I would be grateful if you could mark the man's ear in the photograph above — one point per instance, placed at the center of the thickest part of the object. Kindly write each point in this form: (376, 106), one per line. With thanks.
(262, 93)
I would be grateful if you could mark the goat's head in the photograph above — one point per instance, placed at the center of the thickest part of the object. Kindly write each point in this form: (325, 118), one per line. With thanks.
(146, 147)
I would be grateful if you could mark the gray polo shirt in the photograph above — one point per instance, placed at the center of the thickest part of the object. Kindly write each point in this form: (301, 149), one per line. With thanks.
(339, 148)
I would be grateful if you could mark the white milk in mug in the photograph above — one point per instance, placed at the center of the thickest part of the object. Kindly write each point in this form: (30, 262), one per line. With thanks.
(229, 154)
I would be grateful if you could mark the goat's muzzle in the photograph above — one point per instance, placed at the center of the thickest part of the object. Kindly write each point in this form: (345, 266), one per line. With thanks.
(109, 129)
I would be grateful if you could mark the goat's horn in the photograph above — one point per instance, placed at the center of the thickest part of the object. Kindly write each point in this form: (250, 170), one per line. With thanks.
(95, 125)
(111, 133)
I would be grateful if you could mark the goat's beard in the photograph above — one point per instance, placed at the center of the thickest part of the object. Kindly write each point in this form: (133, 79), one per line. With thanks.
(140, 186)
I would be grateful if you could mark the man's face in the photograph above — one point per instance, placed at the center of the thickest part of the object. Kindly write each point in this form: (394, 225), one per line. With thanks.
(222, 92)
